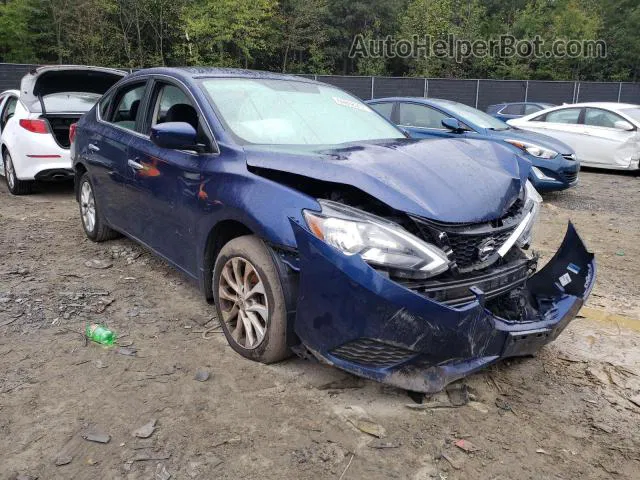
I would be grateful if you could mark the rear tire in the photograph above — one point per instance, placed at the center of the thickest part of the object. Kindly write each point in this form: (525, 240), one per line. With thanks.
(93, 224)
(249, 299)
(16, 186)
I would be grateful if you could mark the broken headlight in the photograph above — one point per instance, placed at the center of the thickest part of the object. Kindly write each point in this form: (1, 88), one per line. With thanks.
(532, 202)
(379, 242)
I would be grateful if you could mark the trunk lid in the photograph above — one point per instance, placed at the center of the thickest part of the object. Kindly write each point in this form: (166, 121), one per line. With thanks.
(89, 82)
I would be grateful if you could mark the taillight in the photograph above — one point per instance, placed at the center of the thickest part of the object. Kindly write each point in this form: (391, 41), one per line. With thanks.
(72, 132)
(35, 126)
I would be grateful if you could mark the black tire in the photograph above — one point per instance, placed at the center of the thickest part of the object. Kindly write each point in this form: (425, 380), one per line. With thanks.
(15, 186)
(273, 346)
(99, 231)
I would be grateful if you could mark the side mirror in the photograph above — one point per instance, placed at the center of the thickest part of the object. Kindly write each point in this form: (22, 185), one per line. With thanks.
(623, 125)
(175, 136)
(453, 124)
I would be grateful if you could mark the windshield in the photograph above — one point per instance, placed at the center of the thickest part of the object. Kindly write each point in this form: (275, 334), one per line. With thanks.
(288, 112)
(71, 102)
(632, 112)
(473, 115)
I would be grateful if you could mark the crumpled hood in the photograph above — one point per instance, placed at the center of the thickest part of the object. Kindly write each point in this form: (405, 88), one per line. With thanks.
(448, 180)
(533, 137)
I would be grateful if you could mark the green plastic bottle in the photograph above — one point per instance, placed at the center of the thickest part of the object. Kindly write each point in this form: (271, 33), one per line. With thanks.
(99, 334)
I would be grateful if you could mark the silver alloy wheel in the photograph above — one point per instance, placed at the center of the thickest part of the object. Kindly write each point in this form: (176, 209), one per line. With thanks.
(87, 207)
(9, 171)
(243, 302)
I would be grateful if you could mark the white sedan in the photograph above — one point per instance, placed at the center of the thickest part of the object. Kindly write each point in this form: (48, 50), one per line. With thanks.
(603, 135)
(35, 121)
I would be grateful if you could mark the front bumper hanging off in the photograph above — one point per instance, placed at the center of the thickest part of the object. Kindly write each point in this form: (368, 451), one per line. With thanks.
(356, 319)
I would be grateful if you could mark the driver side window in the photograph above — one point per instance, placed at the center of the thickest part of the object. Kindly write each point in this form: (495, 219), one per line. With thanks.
(171, 104)
(421, 116)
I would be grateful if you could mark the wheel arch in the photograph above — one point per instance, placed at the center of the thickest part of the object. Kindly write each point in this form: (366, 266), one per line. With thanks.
(220, 234)
(79, 169)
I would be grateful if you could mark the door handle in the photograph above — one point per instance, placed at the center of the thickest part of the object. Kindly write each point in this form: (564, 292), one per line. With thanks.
(135, 165)
(93, 147)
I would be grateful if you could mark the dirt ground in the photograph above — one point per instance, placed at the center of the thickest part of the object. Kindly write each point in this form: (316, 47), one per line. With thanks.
(571, 412)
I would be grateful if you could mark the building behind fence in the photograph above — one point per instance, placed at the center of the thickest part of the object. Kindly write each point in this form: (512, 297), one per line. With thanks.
(477, 93)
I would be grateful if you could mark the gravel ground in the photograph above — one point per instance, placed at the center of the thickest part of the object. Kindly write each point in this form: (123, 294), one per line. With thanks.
(571, 412)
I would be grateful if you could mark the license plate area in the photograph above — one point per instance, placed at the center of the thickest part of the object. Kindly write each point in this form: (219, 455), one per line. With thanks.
(526, 343)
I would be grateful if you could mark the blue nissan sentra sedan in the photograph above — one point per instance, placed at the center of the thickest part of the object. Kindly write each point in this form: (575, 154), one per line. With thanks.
(554, 163)
(316, 227)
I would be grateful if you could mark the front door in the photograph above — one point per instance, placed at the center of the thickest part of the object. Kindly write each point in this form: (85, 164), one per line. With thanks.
(166, 182)
(422, 121)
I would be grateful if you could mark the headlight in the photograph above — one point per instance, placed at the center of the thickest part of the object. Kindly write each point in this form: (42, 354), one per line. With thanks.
(379, 242)
(533, 149)
(532, 202)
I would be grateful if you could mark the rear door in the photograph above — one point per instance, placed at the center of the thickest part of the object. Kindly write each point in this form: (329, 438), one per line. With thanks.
(8, 105)
(107, 151)
(604, 144)
(166, 182)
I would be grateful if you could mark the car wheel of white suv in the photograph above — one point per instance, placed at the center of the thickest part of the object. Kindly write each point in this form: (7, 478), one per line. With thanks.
(16, 187)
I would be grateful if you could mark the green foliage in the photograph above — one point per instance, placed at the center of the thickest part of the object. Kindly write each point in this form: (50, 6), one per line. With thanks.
(315, 36)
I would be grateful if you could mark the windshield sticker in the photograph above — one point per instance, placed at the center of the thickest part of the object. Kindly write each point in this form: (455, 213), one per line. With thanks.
(351, 104)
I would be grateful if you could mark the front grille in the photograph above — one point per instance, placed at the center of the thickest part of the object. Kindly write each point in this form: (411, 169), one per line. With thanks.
(466, 247)
(372, 353)
(472, 246)
(570, 156)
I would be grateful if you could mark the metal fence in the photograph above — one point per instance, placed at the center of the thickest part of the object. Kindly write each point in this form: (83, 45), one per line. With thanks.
(477, 93)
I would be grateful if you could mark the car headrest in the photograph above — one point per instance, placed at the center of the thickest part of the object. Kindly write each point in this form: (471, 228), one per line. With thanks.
(182, 112)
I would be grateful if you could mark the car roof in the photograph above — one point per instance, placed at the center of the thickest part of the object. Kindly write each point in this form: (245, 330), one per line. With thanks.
(219, 72)
(609, 105)
(426, 101)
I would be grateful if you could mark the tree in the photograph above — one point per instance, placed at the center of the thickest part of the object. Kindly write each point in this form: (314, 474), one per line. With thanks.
(229, 32)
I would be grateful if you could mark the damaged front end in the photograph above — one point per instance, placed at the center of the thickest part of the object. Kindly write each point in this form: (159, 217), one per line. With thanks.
(419, 318)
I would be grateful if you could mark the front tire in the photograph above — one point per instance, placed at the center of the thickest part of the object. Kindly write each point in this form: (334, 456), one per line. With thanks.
(16, 186)
(250, 301)
(92, 222)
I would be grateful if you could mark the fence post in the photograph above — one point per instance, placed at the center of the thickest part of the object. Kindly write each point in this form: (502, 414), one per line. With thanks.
(477, 91)
(426, 88)
(373, 80)
(619, 91)
(576, 91)
(526, 91)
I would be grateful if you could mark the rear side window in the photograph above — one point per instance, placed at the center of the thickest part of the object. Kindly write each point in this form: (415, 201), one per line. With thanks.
(383, 109)
(567, 115)
(597, 117)
(421, 116)
(515, 109)
(126, 106)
